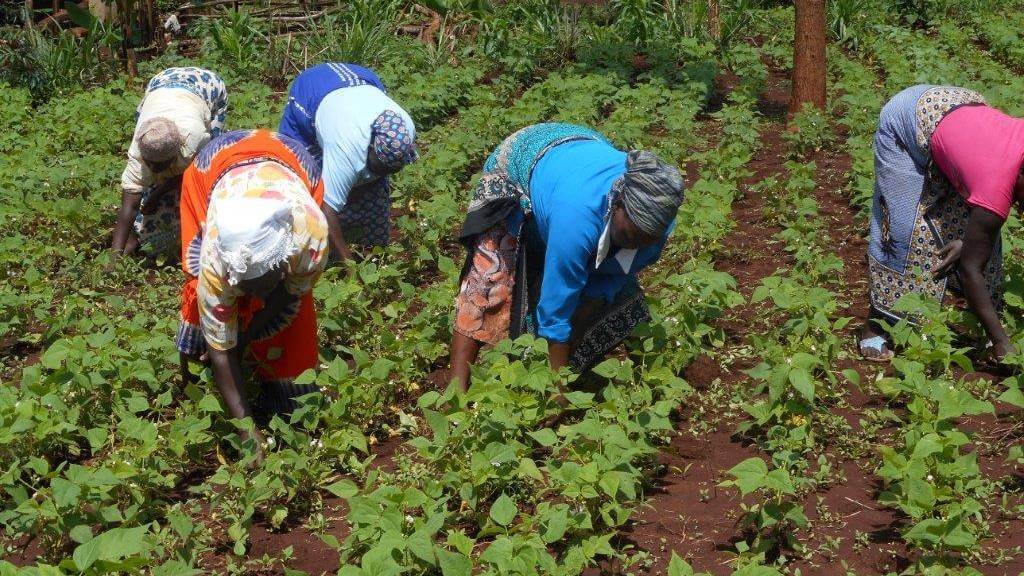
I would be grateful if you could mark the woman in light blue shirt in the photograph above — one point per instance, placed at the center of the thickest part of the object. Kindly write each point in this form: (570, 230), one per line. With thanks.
(346, 120)
(559, 226)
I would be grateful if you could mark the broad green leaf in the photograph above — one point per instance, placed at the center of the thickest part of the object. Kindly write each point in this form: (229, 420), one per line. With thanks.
(504, 510)
(454, 563)
(555, 524)
(753, 570)
(800, 378)
(64, 493)
(1013, 396)
(81, 533)
(749, 475)
(929, 530)
(954, 403)
(343, 488)
(110, 546)
(545, 437)
(679, 567)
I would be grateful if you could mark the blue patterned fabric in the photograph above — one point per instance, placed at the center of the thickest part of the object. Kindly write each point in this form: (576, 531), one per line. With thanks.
(519, 153)
(505, 184)
(308, 91)
(365, 219)
(201, 82)
(392, 142)
(900, 169)
(205, 156)
(309, 163)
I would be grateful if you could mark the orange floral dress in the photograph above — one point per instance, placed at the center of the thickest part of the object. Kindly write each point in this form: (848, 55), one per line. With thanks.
(245, 163)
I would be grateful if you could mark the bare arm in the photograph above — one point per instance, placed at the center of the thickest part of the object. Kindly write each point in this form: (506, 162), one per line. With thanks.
(125, 218)
(227, 373)
(980, 238)
(558, 354)
(337, 239)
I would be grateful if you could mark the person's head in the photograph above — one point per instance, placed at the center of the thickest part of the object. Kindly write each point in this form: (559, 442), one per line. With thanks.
(160, 143)
(262, 286)
(646, 201)
(254, 240)
(626, 234)
(392, 144)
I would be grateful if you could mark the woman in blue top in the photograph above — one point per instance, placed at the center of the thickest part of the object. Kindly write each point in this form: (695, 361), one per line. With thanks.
(558, 228)
(344, 117)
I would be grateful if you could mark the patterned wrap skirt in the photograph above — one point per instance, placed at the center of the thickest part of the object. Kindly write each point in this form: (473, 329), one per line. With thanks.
(365, 219)
(915, 210)
(499, 287)
(159, 231)
(288, 346)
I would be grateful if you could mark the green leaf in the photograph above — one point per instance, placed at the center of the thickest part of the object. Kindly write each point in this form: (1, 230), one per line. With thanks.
(929, 530)
(750, 475)
(852, 375)
(461, 542)
(343, 488)
(546, 437)
(926, 446)
(80, 16)
(504, 510)
(800, 378)
(81, 533)
(65, 493)
(554, 525)
(607, 369)
(111, 546)
(678, 567)
(438, 424)
(1013, 396)
(954, 403)
(454, 563)
(754, 570)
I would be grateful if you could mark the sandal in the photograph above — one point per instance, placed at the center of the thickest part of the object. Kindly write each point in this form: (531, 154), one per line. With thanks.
(876, 346)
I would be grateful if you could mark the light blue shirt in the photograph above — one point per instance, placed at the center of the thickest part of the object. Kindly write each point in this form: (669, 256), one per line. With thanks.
(569, 191)
(342, 126)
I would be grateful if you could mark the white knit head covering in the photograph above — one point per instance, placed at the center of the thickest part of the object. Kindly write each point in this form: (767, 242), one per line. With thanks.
(159, 140)
(254, 236)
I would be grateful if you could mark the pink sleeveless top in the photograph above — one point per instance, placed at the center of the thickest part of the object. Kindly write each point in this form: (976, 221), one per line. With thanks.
(981, 149)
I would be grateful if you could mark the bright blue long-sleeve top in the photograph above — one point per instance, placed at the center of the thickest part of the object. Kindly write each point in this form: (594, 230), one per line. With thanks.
(569, 193)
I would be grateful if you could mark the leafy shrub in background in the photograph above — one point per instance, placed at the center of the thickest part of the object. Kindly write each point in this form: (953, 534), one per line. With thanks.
(53, 65)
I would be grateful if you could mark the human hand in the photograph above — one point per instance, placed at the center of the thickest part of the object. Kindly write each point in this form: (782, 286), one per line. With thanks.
(259, 441)
(1000, 350)
(950, 254)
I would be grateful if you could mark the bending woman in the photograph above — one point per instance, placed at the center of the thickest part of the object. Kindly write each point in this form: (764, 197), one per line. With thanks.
(254, 242)
(558, 228)
(183, 108)
(947, 171)
(344, 117)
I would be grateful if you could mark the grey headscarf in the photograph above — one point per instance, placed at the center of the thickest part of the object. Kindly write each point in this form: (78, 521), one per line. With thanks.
(159, 140)
(651, 192)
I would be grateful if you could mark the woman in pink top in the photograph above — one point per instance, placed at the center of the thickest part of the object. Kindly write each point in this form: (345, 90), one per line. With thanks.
(947, 171)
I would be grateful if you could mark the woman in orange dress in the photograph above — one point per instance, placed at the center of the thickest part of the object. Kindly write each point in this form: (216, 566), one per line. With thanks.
(254, 242)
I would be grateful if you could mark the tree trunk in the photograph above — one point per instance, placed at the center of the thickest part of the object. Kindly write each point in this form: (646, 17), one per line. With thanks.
(809, 55)
(714, 20)
(29, 14)
(126, 13)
